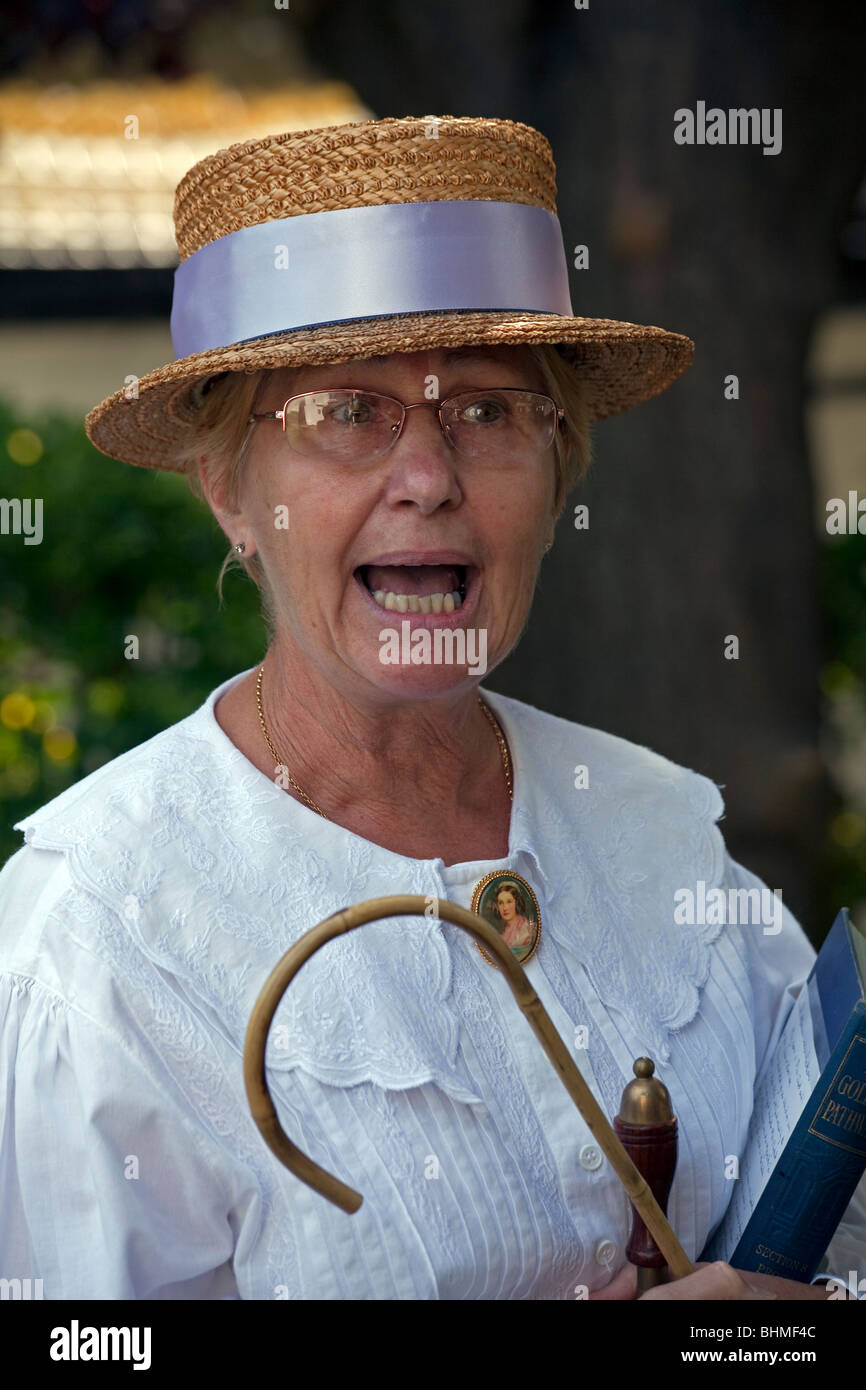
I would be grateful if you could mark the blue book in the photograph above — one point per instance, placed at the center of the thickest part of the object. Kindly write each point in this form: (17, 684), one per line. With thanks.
(806, 1148)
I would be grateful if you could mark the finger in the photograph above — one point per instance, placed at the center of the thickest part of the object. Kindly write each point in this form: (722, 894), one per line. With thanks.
(717, 1281)
(623, 1285)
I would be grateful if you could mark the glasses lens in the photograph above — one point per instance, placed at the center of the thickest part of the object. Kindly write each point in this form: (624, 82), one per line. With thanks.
(350, 427)
(343, 426)
(500, 426)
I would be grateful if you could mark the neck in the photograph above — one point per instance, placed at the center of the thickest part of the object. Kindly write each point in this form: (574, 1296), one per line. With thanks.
(416, 772)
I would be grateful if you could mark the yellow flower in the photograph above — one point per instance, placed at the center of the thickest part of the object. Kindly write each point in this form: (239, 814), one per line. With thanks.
(17, 710)
(60, 744)
(24, 447)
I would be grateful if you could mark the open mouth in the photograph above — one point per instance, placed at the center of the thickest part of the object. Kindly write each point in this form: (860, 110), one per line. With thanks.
(417, 588)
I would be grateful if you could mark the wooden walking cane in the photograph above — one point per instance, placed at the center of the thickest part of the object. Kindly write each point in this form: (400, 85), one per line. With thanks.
(412, 905)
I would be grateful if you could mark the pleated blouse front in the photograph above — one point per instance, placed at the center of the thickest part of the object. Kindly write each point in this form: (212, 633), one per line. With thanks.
(150, 902)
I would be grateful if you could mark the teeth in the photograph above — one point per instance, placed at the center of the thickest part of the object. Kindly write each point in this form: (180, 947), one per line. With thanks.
(418, 603)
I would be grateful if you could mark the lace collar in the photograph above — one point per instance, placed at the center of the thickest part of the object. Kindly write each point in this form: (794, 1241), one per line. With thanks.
(216, 871)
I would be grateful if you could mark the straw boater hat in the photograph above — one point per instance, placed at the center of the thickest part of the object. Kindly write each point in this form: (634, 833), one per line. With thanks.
(350, 241)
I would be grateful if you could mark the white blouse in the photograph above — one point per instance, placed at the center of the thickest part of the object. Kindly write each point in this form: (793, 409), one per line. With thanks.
(152, 899)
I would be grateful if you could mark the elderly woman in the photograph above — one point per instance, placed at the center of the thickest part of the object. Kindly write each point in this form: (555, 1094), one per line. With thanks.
(385, 399)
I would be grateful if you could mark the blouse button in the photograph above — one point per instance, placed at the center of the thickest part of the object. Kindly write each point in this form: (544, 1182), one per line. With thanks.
(590, 1157)
(605, 1251)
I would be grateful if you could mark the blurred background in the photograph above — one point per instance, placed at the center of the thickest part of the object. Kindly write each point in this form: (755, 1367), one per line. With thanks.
(708, 515)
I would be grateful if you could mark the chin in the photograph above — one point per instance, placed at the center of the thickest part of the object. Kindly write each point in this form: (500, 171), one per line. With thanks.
(422, 682)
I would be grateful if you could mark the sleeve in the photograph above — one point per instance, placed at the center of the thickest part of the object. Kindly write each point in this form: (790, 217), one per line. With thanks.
(108, 1190)
(781, 957)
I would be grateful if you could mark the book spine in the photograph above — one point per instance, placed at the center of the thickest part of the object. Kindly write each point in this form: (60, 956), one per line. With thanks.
(814, 1180)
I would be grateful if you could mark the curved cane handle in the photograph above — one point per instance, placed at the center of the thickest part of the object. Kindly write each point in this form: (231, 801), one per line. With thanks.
(415, 905)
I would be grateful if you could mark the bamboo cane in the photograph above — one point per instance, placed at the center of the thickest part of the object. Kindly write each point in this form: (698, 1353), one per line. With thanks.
(410, 905)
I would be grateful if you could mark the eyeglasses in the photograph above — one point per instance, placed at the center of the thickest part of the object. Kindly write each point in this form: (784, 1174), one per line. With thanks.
(347, 426)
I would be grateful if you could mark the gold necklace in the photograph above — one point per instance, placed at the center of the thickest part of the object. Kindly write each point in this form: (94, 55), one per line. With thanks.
(278, 763)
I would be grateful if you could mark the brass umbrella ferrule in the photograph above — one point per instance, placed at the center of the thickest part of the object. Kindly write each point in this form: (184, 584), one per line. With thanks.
(646, 1100)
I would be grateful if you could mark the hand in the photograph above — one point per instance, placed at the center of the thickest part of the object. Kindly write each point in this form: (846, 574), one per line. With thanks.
(716, 1281)
(622, 1285)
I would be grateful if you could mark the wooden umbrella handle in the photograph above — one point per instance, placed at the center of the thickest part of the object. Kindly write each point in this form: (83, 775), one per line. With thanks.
(415, 905)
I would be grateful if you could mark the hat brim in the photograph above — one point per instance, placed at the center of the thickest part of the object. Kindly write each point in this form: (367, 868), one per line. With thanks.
(622, 363)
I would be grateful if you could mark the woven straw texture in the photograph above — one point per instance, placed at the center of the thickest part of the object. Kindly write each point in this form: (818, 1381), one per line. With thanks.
(398, 160)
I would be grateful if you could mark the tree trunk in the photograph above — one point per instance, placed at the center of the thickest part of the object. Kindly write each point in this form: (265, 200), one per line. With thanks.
(701, 510)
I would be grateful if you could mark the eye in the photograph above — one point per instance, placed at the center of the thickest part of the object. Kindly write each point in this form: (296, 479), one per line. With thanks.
(349, 413)
(484, 410)
(354, 410)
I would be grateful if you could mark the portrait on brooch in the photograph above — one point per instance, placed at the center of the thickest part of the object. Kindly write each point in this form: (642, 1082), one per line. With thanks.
(508, 903)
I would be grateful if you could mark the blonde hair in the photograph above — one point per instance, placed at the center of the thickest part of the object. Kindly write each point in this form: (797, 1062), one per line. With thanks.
(222, 433)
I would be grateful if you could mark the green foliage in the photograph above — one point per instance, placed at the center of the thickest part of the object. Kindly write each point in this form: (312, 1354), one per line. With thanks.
(130, 551)
(845, 603)
(124, 551)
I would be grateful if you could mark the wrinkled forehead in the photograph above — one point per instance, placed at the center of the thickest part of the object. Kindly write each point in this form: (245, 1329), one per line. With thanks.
(399, 365)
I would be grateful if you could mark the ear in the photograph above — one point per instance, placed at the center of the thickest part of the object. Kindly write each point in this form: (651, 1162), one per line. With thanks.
(215, 495)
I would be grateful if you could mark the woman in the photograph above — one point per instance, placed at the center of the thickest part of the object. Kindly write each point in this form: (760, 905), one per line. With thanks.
(517, 932)
(384, 397)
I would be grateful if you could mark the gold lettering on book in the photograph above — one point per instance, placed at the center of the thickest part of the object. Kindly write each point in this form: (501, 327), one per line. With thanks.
(846, 1121)
(843, 1117)
(787, 1261)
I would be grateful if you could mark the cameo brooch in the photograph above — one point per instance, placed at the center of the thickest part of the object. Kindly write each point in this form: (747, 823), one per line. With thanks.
(507, 902)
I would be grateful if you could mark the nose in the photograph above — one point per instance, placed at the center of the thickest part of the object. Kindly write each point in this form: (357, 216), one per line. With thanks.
(423, 465)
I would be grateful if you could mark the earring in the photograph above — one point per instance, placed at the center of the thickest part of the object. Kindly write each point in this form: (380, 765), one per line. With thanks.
(549, 546)
(241, 547)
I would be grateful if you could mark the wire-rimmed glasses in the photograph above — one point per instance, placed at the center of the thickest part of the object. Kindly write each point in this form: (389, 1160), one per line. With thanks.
(345, 425)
